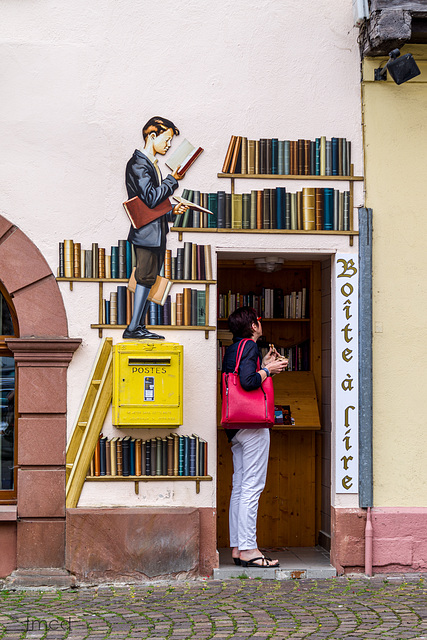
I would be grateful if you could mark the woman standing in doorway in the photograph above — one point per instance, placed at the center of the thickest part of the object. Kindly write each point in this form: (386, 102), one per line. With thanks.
(250, 446)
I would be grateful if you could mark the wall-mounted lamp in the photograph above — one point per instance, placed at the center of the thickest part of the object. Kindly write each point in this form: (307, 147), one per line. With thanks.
(401, 69)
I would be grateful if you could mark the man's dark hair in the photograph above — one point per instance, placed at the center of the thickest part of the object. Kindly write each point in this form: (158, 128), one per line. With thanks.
(158, 125)
(240, 322)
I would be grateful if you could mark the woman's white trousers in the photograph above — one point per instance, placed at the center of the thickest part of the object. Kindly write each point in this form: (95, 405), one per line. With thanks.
(250, 448)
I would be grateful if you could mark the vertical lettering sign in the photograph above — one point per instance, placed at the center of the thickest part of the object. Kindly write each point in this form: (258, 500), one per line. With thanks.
(347, 368)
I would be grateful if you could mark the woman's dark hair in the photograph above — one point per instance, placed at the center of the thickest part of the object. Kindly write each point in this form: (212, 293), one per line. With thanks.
(158, 125)
(240, 322)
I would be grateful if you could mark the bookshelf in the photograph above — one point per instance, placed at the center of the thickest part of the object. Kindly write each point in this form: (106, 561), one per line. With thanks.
(100, 326)
(243, 277)
(350, 234)
(289, 504)
(84, 445)
(269, 176)
(174, 457)
(350, 179)
(192, 265)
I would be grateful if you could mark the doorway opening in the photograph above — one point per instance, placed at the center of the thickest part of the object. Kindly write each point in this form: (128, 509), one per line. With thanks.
(295, 303)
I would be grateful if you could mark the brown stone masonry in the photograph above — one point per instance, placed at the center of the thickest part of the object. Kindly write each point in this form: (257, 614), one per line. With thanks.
(34, 535)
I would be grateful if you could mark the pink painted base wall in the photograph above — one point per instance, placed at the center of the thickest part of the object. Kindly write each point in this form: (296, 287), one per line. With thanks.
(140, 543)
(399, 539)
(8, 548)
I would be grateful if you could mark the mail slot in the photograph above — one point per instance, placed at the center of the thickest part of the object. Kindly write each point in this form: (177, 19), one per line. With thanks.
(148, 384)
(144, 361)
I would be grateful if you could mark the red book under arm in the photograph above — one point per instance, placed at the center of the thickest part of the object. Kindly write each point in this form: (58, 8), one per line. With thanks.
(139, 214)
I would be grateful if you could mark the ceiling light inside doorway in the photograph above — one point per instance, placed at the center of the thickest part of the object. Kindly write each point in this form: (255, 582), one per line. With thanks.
(269, 263)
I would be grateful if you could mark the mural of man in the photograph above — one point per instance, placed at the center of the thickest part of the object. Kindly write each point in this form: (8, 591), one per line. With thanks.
(143, 179)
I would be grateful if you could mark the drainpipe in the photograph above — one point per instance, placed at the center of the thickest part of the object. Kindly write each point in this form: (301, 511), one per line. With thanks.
(368, 543)
(365, 378)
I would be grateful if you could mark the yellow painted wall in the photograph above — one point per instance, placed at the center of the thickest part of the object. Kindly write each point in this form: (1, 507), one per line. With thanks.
(395, 130)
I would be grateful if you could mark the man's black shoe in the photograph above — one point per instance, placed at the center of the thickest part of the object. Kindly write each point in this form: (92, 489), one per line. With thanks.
(149, 334)
(141, 333)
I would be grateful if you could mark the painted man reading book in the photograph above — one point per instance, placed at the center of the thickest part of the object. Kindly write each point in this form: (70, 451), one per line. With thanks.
(143, 179)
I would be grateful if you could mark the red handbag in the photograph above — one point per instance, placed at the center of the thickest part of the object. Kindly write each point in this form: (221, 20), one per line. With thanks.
(246, 409)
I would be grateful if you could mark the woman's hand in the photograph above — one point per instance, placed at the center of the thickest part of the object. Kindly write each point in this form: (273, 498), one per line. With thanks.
(277, 366)
(272, 355)
(274, 362)
(179, 209)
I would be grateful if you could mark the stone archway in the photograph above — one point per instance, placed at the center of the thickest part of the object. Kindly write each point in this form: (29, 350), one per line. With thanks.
(42, 353)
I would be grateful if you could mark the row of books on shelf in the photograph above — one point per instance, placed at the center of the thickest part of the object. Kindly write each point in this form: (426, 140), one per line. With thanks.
(193, 262)
(75, 262)
(271, 303)
(297, 354)
(173, 455)
(271, 156)
(311, 209)
(187, 309)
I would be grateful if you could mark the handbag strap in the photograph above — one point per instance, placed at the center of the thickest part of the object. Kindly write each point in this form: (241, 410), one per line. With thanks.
(239, 354)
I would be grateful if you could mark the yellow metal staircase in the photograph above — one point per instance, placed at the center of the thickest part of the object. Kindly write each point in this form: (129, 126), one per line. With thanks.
(96, 401)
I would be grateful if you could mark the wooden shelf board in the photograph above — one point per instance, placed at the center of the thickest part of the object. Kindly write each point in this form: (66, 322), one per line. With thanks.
(269, 176)
(204, 229)
(144, 478)
(60, 279)
(155, 326)
(275, 319)
(279, 231)
(194, 281)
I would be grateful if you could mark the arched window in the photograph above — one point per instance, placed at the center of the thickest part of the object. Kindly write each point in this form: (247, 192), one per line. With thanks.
(8, 327)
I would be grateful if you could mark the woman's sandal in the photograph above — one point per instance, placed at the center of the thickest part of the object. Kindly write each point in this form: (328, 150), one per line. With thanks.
(253, 563)
(237, 561)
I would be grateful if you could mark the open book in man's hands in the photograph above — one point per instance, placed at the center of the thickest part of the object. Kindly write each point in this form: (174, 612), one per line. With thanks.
(183, 157)
(191, 205)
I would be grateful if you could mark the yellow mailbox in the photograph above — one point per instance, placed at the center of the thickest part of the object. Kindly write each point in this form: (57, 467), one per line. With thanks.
(147, 389)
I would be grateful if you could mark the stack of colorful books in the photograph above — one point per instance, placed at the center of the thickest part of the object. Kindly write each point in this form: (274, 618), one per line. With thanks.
(271, 156)
(311, 209)
(173, 455)
(75, 262)
(192, 262)
(271, 303)
(187, 309)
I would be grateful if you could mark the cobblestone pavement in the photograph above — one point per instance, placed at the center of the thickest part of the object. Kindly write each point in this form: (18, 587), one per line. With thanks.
(362, 608)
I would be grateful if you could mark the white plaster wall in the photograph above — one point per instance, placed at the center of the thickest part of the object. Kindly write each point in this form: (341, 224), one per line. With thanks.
(80, 79)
